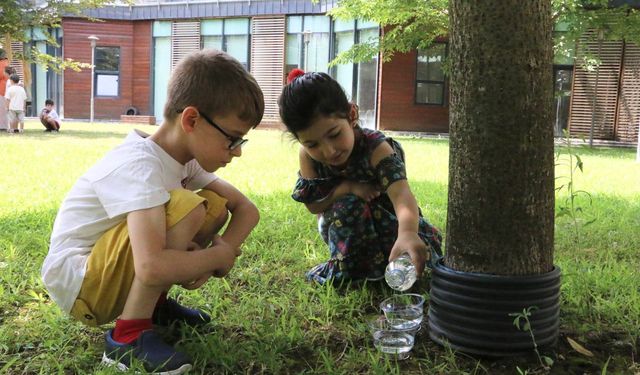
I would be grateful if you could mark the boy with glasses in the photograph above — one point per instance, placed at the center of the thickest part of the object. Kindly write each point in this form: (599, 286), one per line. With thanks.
(133, 226)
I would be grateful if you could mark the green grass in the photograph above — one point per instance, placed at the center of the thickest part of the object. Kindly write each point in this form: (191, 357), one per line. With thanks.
(267, 319)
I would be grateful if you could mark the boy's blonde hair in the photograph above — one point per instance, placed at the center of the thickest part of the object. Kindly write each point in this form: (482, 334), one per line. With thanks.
(216, 84)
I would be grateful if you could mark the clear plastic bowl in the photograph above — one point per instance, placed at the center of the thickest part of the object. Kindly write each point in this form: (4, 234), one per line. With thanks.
(404, 311)
(389, 340)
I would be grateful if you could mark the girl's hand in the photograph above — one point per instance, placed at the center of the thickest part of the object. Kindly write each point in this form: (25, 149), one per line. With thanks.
(412, 244)
(364, 191)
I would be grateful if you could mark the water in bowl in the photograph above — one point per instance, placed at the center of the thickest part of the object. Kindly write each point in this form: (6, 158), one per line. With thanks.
(393, 342)
(405, 318)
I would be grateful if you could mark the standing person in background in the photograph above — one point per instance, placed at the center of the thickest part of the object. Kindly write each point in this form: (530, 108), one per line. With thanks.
(49, 117)
(9, 71)
(16, 104)
(4, 78)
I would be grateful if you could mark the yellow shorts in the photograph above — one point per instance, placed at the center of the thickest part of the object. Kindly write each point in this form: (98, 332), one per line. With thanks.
(110, 269)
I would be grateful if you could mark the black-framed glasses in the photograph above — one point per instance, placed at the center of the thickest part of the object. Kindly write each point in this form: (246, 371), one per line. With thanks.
(235, 142)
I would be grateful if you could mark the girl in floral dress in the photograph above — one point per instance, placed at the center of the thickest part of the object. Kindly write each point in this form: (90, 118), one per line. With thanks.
(354, 179)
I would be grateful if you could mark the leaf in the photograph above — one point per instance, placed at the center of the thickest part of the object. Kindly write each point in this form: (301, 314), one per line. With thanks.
(562, 212)
(8, 365)
(604, 368)
(35, 295)
(585, 193)
(579, 348)
(516, 321)
(579, 163)
(547, 360)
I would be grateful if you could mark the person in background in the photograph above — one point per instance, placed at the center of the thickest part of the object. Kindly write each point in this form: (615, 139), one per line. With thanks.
(16, 104)
(4, 78)
(49, 117)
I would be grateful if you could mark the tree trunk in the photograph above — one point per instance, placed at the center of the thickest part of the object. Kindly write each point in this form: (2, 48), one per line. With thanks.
(501, 164)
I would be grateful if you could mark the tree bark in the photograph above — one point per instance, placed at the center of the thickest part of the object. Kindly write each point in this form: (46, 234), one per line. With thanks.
(500, 216)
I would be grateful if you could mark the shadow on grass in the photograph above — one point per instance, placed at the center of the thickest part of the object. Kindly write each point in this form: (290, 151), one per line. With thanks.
(608, 152)
(73, 133)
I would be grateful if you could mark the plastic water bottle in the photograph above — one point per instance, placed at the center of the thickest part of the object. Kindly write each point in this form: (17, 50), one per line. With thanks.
(401, 273)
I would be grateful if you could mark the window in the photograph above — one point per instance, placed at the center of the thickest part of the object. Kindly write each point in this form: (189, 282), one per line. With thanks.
(563, 47)
(107, 71)
(367, 77)
(359, 80)
(307, 43)
(230, 35)
(430, 79)
(313, 41)
(562, 98)
(563, 60)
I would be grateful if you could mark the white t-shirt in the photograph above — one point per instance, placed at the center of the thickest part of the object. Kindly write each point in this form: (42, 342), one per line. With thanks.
(136, 175)
(54, 115)
(16, 96)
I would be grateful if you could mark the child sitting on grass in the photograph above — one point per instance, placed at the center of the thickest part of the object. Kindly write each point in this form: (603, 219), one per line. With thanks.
(49, 117)
(133, 225)
(354, 179)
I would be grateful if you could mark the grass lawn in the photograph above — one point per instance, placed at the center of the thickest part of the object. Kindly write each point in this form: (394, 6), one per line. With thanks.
(266, 318)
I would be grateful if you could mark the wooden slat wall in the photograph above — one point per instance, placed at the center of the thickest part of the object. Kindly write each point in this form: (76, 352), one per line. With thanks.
(629, 102)
(267, 61)
(17, 47)
(185, 38)
(141, 70)
(584, 89)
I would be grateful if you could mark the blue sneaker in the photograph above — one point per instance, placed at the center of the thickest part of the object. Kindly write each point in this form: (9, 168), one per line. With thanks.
(171, 311)
(156, 356)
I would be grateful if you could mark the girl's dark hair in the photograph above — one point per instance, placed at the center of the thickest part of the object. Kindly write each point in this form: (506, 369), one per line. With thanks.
(310, 96)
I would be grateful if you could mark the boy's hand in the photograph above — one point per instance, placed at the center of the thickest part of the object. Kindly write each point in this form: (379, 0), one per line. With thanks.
(365, 191)
(195, 284)
(412, 244)
(226, 254)
(193, 246)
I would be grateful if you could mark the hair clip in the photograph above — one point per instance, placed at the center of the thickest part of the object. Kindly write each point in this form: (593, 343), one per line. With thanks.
(295, 73)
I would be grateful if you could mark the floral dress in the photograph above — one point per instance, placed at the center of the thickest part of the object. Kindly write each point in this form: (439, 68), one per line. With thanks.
(360, 234)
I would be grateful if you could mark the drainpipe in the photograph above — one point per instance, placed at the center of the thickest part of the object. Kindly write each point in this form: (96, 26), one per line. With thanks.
(306, 38)
(92, 39)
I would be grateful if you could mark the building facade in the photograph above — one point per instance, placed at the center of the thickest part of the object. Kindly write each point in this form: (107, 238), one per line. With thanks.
(138, 46)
